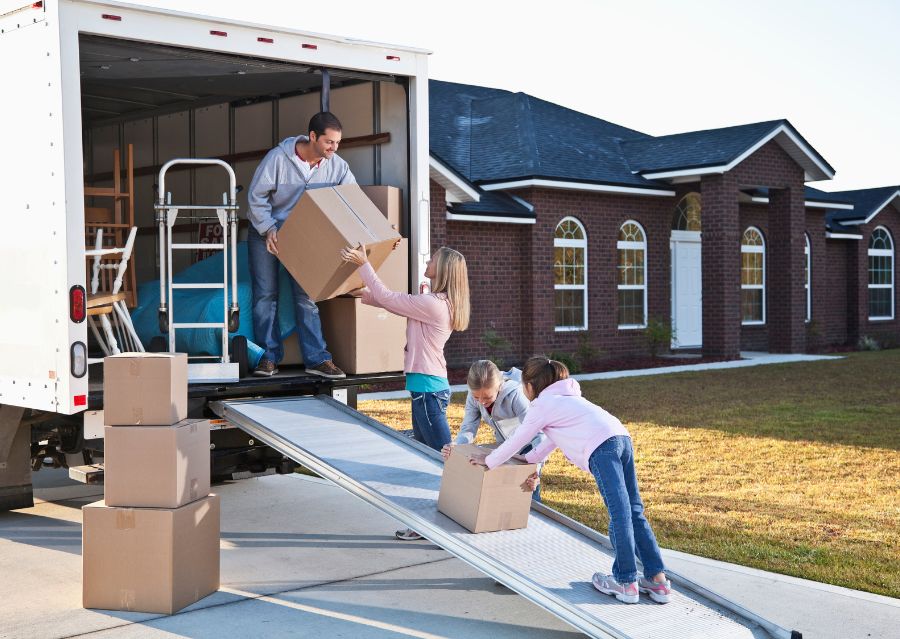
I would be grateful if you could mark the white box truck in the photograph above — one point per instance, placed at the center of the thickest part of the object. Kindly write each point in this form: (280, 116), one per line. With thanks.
(83, 79)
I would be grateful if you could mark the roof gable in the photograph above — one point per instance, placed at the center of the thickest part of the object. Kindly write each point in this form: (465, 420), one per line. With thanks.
(867, 203)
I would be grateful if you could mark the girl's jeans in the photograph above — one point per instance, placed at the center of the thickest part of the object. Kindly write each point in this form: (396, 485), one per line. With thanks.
(429, 418)
(612, 464)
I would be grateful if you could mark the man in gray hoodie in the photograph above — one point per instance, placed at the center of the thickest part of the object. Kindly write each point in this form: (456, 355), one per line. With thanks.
(297, 164)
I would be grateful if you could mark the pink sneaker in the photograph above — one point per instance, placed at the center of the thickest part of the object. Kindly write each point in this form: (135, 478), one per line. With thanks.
(659, 592)
(626, 593)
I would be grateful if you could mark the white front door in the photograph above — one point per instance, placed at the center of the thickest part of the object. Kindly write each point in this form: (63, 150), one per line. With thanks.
(687, 290)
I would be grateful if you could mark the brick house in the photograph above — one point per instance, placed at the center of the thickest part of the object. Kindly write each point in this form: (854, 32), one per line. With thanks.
(579, 232)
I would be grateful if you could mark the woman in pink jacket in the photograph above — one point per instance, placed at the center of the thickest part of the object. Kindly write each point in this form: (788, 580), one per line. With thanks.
(431, 319)
(597, 442)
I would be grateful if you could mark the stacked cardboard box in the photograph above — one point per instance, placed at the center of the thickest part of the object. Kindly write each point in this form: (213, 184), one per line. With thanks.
(483, 500)
(152, 544)
(361, 339)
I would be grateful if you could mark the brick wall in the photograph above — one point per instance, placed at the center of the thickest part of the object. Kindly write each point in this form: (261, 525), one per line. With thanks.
(885, 331)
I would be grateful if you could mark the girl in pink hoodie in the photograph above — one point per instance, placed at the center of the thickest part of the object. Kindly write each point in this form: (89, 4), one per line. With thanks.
(431, 318)
(597, 442)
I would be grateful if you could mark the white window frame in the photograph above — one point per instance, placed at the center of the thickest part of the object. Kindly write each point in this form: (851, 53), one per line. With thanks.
(808, 284)
(624, 245)
(755, 287)
(881, 252)
(559, 242)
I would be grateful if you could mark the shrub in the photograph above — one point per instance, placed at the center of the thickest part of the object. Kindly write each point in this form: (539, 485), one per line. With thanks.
(867, 343)
(658, 334)
(495, 344)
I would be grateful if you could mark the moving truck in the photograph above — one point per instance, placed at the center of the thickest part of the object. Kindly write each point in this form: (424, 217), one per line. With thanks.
(98, 95)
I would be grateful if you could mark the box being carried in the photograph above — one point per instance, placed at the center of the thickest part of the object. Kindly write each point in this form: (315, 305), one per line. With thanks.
(150, 559)
(483, 500)
(323, 222)
(145, 389)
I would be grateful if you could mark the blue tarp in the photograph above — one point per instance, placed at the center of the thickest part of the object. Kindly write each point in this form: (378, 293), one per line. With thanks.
(199, 305)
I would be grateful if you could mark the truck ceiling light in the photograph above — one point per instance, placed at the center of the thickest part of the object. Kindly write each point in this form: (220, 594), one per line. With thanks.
(77, 306)
(78, 355)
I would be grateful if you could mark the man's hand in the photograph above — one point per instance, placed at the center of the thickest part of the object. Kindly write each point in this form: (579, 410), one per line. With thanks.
(355, 255)
(445, 451)
(532, 482)
(272, 241)
(478, 459)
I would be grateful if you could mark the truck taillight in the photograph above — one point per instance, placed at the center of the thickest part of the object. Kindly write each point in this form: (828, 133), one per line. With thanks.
(109, 16)
(309, 46)
(265, 40)
(393, 58)
(37, 5)
(77, 304)
(221, 34)
(78, 355)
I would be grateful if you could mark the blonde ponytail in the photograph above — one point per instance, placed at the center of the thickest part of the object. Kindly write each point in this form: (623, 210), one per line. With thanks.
(452, 278)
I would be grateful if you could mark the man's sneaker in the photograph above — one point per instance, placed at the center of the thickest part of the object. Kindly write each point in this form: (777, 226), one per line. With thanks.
(266, 368)
(626, 593)
(659, 592)
(326, 369)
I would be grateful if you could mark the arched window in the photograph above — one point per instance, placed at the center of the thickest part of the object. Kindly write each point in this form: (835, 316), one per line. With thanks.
(570, 275)
(632, 276)
(753, 277)
(807, 278)
(687, 213)
(881, 275)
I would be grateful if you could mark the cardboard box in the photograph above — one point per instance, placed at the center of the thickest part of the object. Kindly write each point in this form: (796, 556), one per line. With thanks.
(361, 338)
(483, 500)
(156, 466)
(145, 389)
(150, 559)
(323, 222)
(292, 354)
(394, 272)
(389, 202)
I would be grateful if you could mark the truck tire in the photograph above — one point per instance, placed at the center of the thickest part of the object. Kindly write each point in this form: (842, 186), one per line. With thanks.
(240, 354)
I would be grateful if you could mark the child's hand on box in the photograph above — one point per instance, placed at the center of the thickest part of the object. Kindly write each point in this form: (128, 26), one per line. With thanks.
(532, 482)
(445, 451)
(477, 459)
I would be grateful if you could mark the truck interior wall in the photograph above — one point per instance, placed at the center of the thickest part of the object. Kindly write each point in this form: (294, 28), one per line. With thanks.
(225, 129)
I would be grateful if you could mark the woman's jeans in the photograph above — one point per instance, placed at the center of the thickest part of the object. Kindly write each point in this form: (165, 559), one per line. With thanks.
(429, 418)
(264, 268)
(612, 464)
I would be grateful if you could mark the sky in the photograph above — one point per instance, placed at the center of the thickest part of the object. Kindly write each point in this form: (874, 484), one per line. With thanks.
(830, 67)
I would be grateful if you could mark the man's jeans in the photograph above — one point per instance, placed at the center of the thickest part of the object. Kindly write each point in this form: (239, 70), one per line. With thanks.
(429, 418)
(612, 464)
(264, 268)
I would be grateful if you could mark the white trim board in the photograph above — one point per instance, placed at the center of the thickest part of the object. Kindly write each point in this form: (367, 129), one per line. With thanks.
(463, 217)
(575, 186)
(804, 149)
(454, 185)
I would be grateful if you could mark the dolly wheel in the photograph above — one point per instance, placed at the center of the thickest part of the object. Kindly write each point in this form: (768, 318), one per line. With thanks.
(239, 354)
(158, 344)
(234, 321)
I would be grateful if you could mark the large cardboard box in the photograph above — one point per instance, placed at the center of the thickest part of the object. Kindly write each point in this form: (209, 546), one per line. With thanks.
(361, 338)
(483, 500)
(388, 200)
(394, 272)
(323, 222)
(156, 466)
(150, 559)
(145, 389)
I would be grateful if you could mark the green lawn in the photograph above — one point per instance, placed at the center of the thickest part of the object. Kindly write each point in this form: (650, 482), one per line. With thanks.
(792, 468)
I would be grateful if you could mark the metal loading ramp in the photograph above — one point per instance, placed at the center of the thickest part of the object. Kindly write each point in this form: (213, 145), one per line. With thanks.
(550, 562)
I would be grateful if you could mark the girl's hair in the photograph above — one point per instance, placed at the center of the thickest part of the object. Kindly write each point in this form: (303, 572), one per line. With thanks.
(452, 278)
(540, 372)
(483, 374)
